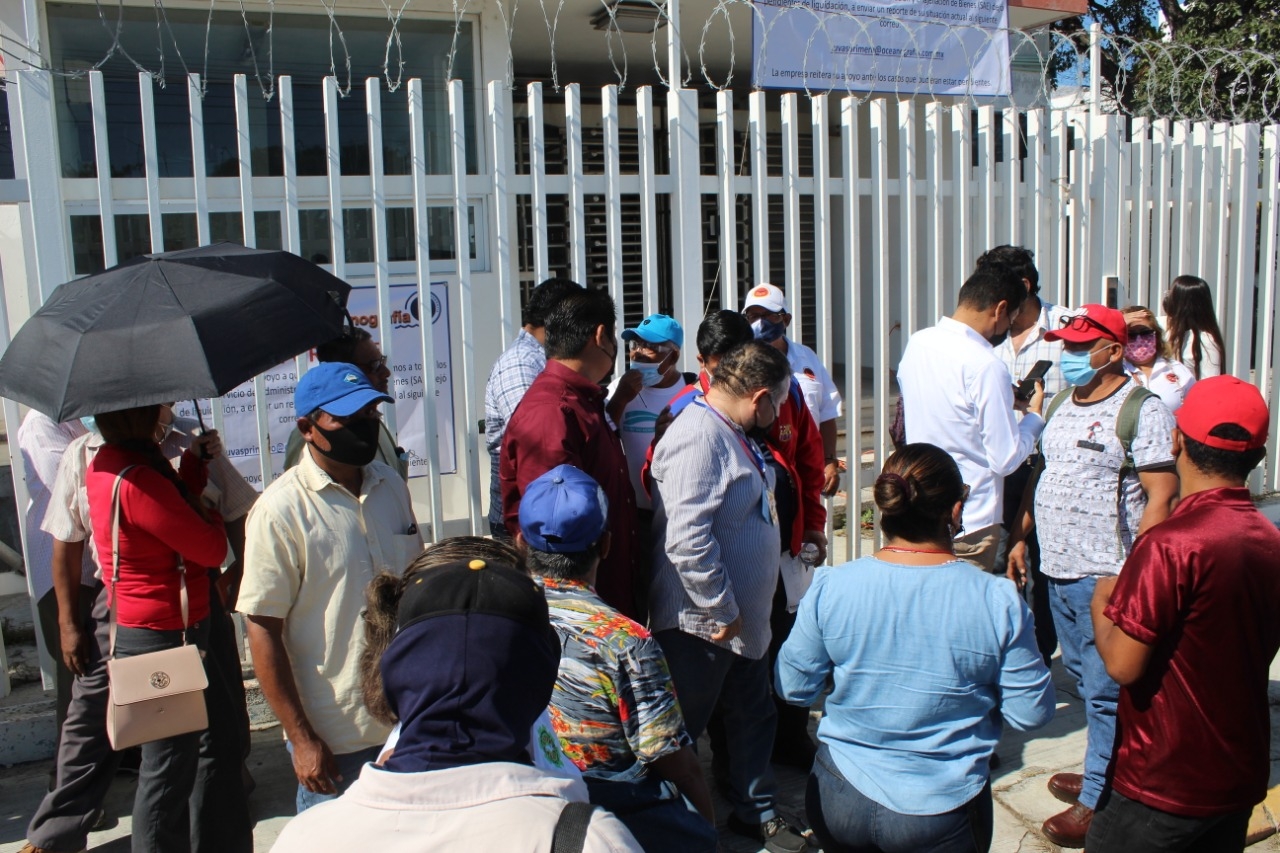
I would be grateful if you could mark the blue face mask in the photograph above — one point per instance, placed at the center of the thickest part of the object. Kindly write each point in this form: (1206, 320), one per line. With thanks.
(1077, 367)
(89, 423)
(766, 331)
(650, 374)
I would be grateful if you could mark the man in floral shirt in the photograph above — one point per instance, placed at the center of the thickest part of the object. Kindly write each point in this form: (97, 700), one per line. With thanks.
(614, 706)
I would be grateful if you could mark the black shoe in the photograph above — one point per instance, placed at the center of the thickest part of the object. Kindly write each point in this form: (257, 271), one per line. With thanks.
(778, 835)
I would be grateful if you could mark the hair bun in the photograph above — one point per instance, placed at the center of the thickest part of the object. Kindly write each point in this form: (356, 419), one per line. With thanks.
(894, 493)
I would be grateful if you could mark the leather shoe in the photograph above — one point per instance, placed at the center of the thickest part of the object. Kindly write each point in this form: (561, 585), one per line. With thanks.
(1069, 828)
(1066, 786)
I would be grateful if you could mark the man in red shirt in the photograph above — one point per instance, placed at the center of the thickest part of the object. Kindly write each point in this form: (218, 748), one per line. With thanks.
(1189, 629)
(561, 421)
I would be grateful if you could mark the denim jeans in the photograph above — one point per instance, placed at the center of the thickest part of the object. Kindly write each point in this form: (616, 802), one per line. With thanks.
(1123, 825)
(658, 816)
(161, 810)
(349, 766)
(704, 673)
(1070, 602)
(845, 821)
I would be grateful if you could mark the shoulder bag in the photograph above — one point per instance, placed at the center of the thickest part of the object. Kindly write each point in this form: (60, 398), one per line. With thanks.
(156, 695)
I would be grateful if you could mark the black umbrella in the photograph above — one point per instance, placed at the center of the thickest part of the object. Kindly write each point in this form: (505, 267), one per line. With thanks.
(172, 326)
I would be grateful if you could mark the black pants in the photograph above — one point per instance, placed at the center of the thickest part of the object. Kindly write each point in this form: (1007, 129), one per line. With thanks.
(1046, 635)
(1123, 825)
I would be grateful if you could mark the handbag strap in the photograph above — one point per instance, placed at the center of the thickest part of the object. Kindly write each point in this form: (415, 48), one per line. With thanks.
(115, 566)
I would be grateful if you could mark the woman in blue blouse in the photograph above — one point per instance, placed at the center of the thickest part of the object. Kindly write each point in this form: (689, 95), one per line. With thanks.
(928, 654)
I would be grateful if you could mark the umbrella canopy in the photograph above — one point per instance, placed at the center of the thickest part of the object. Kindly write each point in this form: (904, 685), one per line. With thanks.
(172, 326)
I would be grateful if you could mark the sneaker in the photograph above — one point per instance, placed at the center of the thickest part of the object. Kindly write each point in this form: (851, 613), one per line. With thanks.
(778, 835)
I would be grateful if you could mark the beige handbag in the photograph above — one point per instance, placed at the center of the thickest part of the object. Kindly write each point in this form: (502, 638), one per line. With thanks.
(156, 695)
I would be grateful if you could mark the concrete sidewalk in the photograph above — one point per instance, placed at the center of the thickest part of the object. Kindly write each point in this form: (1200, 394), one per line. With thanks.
(1022, 801)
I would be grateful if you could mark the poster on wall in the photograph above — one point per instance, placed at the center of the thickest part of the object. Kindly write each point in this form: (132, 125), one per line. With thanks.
(937, 47)
(409, 385)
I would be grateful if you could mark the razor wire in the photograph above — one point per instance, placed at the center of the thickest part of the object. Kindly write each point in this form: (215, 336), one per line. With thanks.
(810, 46)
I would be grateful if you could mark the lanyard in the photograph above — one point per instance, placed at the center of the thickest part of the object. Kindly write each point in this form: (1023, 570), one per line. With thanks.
(750, 446)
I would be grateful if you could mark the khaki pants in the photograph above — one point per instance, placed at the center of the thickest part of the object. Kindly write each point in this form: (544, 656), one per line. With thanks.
(980, 548)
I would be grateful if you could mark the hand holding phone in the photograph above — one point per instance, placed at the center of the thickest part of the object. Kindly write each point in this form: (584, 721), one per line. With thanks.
(1027, 386)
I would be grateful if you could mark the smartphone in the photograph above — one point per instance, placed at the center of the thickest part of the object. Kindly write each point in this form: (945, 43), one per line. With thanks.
(1027, 386)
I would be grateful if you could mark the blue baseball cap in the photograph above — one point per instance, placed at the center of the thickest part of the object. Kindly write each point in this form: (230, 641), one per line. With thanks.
(563, 512)
(337, 388)
(656, 329)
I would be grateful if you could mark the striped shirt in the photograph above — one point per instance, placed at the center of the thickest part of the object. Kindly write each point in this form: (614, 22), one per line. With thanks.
(1036, 348)
(715, 554)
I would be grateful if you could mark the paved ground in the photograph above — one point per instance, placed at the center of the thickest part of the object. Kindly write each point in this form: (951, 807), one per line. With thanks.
(1022, 803)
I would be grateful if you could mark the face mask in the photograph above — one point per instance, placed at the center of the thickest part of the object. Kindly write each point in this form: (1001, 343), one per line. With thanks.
(89, 423)
(650, 374)
(356, 443)
(766, 331)
(1077, 368)
(997, 340)
(1141, 349)
(165, 431)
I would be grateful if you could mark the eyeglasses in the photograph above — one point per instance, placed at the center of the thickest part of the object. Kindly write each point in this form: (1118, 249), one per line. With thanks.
(1136, 331)
(1084, 323)
(754, 313)
(375, 365)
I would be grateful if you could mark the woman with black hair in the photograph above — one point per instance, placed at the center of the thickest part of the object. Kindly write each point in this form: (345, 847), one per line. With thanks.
(927, 655)
(1193, 327)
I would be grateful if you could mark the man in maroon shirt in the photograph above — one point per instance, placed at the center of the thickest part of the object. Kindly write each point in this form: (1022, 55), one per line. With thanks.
(561, 421)
(1189, 629)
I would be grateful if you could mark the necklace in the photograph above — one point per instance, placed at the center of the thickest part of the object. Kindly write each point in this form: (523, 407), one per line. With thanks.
(896, 550)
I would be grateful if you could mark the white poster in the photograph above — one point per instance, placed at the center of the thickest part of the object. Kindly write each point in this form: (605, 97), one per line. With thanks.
(408, 385)
(929, 47)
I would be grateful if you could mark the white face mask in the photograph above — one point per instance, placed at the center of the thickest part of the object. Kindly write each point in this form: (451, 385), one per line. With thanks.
(650, 373)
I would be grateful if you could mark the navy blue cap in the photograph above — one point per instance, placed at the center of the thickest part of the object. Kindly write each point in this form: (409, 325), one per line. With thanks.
(337, 388)
(563, 512)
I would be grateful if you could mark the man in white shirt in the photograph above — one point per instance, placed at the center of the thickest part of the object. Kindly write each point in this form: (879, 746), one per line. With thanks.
(766, 309)
(957, 395)
(315, 539)
(1026, 345)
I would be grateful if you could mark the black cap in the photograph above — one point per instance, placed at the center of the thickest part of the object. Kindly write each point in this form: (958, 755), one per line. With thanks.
(473, 586)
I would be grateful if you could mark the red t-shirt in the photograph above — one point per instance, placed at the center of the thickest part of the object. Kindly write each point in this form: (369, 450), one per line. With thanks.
(1203, 589)
(156, 525)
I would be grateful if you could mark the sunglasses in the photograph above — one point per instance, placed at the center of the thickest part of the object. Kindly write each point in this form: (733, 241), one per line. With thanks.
(1084, 323)
(1139, 330)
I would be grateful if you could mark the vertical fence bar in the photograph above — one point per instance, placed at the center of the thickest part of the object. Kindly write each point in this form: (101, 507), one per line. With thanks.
(1013, 176)
(646, 130)
(728, 204)
(499, 99)
(962, 167)
(462, 228)
(538, 174)
(1180, 228)
(1053, 195)
(987, 175)
(1202, 256)
(577, 199)
(151, 159)
(909, 247)
(333, 160)
(758, 136)
(500, 116)
(791, 210)
(686, 205)
(824, 315)
(291, 227)
(1162, 161)
(102, 161)
(200, 185)
(935, 246)
(1110, 170)
(879, 259)
(849, 130)
(1224, 216)
(613, 190)
(1245, 140)
(1140, 224)
(382, 274)
(1269, 342)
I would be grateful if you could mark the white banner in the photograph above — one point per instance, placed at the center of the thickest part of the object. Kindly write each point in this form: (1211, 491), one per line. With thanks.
(408, 384)
(933, 47)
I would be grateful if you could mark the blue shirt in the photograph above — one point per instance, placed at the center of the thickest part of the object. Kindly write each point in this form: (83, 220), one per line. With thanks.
(922, 657)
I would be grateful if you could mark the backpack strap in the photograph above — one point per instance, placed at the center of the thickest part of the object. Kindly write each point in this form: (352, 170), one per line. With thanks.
(1127, 421)
(570, 835)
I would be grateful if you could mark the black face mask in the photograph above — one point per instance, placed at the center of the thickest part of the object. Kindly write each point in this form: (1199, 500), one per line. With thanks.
(997, 340)
(355, 443)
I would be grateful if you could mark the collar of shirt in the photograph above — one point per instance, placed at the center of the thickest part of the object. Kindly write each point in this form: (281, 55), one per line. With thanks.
(313, 477)
(575, 381)
(955, 327)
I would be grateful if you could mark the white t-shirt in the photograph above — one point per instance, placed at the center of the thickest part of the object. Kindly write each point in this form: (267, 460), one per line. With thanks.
(1170, 380)
(1084, 530)
(636, 430)
(820, 393)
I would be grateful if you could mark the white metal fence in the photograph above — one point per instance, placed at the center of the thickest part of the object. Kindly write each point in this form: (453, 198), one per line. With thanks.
(868, 211)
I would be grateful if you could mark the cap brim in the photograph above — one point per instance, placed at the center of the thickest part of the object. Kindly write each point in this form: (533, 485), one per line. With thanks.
(1073, 336)
(637, 335)
(349, 404)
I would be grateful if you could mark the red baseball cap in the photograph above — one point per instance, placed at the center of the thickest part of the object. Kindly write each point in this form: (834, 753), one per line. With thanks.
(1091, 324)
(1224, 400)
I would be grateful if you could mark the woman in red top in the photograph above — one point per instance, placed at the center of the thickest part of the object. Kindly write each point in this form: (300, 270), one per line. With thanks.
(162, 521)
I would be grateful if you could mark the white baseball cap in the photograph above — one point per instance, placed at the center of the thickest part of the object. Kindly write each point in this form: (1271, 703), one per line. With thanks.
(767, 296)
